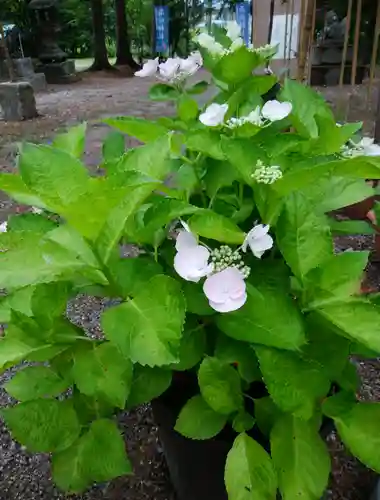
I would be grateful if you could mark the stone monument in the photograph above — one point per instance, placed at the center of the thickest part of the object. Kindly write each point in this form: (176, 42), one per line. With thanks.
(53, 62)
(23, 72)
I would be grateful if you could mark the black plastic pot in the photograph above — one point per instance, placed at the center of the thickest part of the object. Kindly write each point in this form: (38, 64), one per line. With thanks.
(197, 467)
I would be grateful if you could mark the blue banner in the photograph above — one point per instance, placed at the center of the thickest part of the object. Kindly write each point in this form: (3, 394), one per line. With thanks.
(242, 18)
(161, 16)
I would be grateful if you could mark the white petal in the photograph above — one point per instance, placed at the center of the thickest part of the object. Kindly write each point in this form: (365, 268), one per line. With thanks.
(230, 305)
(236, 44)
(192, 263)
(214, 115)
(224, 285)
(373, 150)
(149, 68)
(233, 30)
(169, 69)
(185, 239)
(37, 210)
(275, 110)
(261, 245)
(3, 227)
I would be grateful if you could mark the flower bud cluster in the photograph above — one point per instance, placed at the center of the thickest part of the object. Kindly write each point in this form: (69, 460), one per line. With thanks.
(266, 174)
(225, 257)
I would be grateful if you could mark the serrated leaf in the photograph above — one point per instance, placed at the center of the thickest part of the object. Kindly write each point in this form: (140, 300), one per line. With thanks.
(303, 237)
(148, 329)
(192, 347)
(72, 141)
(207, 142)
(218, 175)
(359, 320)
(113, 147)
(49, 301)
(249, 472)
(147, 384)
(237, 66)
(54, 175)
(19, 300)
(220, 386)
(300, 457)
(209, 224)
(15, 187)
(295, 385)
(231, 351)
(243, 154)
(43, 425)
(35, 382)
(359, 430)
(256, 323)
(144, 130)
(196, 300)
(30, 222)
(103, 370)
(97, 456)
(198, 421)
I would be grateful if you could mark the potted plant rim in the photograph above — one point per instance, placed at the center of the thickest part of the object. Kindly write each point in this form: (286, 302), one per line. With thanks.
(233, 315)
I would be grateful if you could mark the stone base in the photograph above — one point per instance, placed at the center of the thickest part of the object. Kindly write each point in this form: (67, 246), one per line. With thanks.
(17, 101)
(37, 81)
(24, 70)
(58, 72)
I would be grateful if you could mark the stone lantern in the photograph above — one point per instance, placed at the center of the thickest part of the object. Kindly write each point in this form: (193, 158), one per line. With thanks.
(53, 60)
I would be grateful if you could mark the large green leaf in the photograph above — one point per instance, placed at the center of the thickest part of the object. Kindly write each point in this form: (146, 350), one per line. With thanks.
(148, 329)
(103, 370)
(97, 456)
(163, 92)
(359, 320)
(35, 382)
(300, 457)
(249, 472)
(147, 384)
(303, 237)
(53, 174)
(243, 154)
(13, 350)
(236, 66)
(142, 129)
(256, 323)
(198, 421)
(30, 222)
(207, 142)
(231, 351)
(15, 187)
(294, 384)
(209, 224)
(113, 148)
(220, 386)
(73, 141)
(192, 347)
(43, 425)
(359, 430)
(187, 108)
(19, 300)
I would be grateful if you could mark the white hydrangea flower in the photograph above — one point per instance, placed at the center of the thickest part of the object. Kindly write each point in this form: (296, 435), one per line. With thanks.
(266, 51)
(209, 43)
(276, 111)
(258, 240)
(4, 227)
(214, 115)
(192, 260)
(233, 30)
(236, 44)
(169, 70)
(254, 118)
(226, 290)
(368, 146)
(265, 174)
(149, 68)
(36, 210)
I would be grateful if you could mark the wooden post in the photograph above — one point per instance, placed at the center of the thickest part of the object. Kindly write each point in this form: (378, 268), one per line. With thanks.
(377, 123)
(345, 46)
(356, 42)
(375, 48)
(8, 60)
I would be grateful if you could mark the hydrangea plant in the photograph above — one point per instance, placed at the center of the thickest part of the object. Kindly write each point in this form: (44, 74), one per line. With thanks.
(233, 279)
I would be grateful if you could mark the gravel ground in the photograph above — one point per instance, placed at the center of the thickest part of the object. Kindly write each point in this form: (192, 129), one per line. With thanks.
(27, 477)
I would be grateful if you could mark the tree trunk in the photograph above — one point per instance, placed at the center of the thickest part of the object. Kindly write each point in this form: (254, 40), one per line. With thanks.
(100, 50)
(123, 51)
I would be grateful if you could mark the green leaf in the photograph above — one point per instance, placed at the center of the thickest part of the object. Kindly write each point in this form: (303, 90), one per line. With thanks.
(256, 323)
(196, 300)
(243, 154)
(198, 88)
(294, 384)
(303, 237)
(49, 301)
(97, 456)
(187, 108)
(359, 320)
(220, 386)
(72, 141)
(103, 370)
(43, 425)
(30, 222)
(207, 142)
(192, 346)
(218, 175)
(19, 300)
(231, 351)
(54, 175)
(266, 414)
(132, 274)
(15, 187)
(236, 66)
(209, 224)
(152, 159)
(144, 130)
(198, 421)
(35, 382)
(148, 329)
(359, 430)
(300, 457)
(113, 228)
(350, 227)
(249, 472)
(243, 422)
(113, 146)
(163, 92)
(147, 384)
